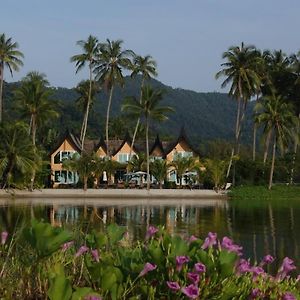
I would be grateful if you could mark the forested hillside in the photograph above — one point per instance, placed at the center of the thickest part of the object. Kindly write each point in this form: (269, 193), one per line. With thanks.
(205, 116)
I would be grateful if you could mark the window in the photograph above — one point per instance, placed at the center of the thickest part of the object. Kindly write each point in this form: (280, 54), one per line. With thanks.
(61, 155)
(123, 157)
(65, 177)
(179, 154)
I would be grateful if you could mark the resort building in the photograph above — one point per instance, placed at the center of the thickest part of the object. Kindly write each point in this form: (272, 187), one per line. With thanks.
(69, 144)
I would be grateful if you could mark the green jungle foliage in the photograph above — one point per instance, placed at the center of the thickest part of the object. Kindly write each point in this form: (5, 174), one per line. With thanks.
(205, 116)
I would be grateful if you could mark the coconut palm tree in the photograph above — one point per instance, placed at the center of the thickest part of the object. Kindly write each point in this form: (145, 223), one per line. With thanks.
(148, 109)
(17, 155)
(277, 117)
(216, 169)
(86, 96)
(90, 50)
(11, 58)
(183, 165)
(111, 62)
(145, 66)
(33, 98)
(84, 165)
(159, 169)
(241, 72)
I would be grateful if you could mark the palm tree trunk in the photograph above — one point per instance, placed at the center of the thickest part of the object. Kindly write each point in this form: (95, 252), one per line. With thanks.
(295, 152)
(273, 164)
(267, 143)
(138, 121)
(1, 89)
(85, 180)
(147, 154)
(33, 126)
(107, 120)
(86, 116)
(254, 142)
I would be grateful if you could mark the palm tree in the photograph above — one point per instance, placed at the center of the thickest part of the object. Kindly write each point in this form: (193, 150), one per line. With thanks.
(216, 169)
(159, 169)
(90, 50)
(183, 165)
(34, 101)
(10, 57)
(84, 165)
(240, 70)
(145, 66)
(137, 163)
(111, 61)
(17, 154)
(278, 119)
(87, 93)
(295, 68)
(149, 109)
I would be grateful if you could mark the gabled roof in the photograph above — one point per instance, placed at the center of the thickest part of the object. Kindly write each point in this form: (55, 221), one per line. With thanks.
(101, 144)
(181, 138)
(71, 138)
(157, 144)
(127, 140)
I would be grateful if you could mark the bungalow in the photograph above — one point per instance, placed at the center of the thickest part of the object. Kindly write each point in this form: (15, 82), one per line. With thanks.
(69, 144)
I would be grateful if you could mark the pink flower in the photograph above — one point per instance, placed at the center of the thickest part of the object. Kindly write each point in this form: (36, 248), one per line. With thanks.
(92, 298)
(151, 231)
(81, 250)
(286, 267)
(192, 238)
(243, 266)
(200, 268)
(193, 277)
(256, 271)
(173, 285)
(147, 268)
(228, 244)
(210, 240)
(4, 235)
(95, 255)
(289, 296)
(180, 261)
(255, 293)
(191, 291)
(268, 259)
(67, 245)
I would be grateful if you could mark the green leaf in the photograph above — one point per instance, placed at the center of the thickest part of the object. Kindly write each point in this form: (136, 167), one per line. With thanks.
(115, 233)
(81, 293)
(227, 262)
(60, 288)
(100, 238)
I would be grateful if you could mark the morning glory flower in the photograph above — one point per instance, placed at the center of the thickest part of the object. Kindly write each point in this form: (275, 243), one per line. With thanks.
(193, 277)
(228, 244)
(95, 255)
(67, 245)
(81, 250)
(147, 268)
(191, 291)
(4, 235)
(200, 268)
(180, 261)
(151, 231)
(173, 285)
(210, 240)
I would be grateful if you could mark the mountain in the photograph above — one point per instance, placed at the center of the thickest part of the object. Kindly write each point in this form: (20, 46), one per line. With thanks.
(205, 116)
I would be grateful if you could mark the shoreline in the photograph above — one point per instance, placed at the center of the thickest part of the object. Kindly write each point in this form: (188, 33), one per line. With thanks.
(133, 194)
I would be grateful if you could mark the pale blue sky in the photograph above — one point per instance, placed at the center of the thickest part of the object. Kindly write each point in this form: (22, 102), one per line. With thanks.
(187, 38)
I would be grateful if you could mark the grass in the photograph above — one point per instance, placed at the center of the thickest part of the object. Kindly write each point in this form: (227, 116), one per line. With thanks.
(278, 192)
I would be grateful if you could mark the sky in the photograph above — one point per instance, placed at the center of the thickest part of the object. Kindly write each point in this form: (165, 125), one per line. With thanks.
(185, 37)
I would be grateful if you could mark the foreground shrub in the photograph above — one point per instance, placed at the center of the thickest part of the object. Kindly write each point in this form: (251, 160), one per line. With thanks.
(42, 261)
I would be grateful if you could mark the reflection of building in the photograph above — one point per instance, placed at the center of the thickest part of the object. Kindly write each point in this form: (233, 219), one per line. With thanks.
(69, 144)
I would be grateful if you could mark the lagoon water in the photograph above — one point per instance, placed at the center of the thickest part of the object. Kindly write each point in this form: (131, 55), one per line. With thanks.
(261, 227)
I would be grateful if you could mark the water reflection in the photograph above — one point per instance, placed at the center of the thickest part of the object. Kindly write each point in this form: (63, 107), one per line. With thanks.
(260, 227)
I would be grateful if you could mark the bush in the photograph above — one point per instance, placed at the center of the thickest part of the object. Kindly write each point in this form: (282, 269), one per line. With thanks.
(42, 260)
